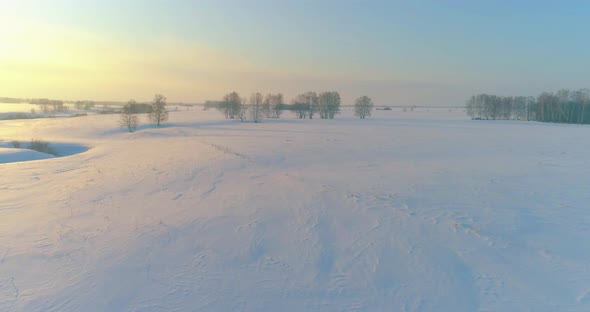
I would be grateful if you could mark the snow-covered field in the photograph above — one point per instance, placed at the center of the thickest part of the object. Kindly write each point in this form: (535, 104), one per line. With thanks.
(415, 211)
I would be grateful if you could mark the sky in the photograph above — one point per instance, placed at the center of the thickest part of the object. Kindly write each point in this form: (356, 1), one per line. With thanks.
(435, 53)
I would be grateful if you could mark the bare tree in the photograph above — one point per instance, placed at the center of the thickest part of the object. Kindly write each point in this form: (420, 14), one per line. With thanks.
(273, 105)
(266, 107)
(256, 101)
(363, 107)
(277, 105)
(129, 117)
(158, 113)
(312, 101)
(328, 104)
(306, 104)
(582, 99)
(299, 108)
(232, 105)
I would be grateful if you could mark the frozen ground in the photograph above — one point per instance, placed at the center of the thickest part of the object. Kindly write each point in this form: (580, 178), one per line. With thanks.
(416, 211)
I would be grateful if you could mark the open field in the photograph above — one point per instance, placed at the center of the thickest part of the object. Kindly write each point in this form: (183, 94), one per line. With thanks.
(405, 211)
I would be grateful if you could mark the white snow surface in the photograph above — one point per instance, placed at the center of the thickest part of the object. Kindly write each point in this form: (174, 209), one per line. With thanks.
(416, 211)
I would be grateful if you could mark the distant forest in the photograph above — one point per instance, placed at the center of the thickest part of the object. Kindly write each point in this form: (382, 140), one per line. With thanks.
(563, 106)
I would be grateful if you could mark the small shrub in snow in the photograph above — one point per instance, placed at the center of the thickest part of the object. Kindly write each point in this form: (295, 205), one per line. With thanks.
(79, 115)
(15, 144)
(41, 146)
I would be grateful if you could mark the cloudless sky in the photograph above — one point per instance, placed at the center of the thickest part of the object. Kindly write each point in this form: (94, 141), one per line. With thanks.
(397, 52)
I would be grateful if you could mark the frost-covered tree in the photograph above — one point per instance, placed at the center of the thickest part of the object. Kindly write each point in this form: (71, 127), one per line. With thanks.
(363, 107)
(129, 117)
(158, 113)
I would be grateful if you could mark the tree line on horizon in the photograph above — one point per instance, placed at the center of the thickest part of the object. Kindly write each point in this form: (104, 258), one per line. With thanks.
(563, 106)
(305, 105)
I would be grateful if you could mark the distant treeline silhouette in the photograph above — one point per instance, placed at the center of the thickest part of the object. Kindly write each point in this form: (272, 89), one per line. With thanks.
(326, 105)
(564, 106)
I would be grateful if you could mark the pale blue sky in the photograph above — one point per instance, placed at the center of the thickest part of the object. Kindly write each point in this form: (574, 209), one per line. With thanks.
(398, 52)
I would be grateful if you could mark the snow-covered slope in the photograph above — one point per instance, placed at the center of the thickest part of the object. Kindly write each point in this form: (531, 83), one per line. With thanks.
(407, 211)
